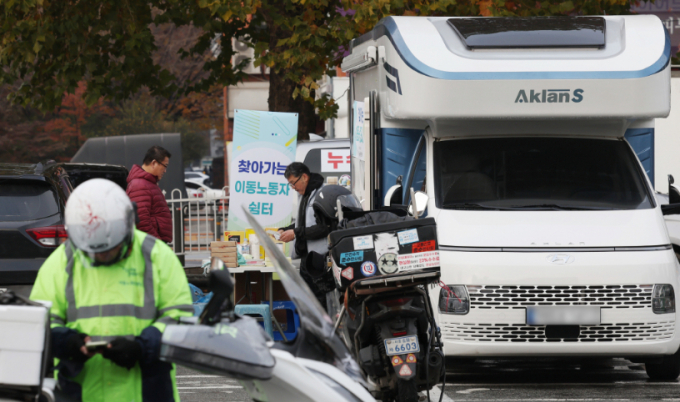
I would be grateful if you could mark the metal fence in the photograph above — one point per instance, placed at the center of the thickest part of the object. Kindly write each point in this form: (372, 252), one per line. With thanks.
(197, 221)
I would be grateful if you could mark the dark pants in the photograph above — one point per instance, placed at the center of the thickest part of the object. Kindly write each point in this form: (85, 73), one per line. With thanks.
(312, 276)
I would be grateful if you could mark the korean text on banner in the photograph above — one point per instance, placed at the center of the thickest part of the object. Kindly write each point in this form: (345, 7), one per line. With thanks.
(335, 160)
(264, 145)
(358, 131)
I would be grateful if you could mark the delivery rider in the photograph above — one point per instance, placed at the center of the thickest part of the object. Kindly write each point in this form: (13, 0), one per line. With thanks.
(115, 286)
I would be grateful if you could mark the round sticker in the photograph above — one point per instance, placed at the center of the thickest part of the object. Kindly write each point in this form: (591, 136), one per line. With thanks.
(388, 263)
(368, 268)
(345, 181)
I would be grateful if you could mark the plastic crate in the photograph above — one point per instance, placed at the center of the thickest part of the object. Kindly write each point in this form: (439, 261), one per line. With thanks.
(292, 325)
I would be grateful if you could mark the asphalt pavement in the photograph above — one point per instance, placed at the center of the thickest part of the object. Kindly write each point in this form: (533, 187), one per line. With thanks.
(502, 380)
(543, 380)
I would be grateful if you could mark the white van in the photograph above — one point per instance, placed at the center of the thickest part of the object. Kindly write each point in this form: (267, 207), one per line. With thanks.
(519, 131)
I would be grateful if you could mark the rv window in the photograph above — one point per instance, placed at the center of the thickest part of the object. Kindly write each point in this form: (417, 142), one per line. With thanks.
(535, 32)
(538, 173)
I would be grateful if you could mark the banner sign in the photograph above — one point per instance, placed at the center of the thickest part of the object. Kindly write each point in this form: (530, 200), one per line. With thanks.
(264, 145)
(358, 131)
(335, 160)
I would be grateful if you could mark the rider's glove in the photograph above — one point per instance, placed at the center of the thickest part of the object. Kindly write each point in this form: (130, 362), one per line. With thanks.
(74, 343)
(123, 352)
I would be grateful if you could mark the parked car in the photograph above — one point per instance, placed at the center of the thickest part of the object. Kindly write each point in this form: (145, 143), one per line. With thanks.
(32, 202)
(329, 158)
(79, 172)
(197, 177)
(196, 190)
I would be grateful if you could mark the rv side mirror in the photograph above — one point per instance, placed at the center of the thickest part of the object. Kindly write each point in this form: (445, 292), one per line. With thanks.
(670, 209)
(673, 193)
(421, 199)
(393, 196)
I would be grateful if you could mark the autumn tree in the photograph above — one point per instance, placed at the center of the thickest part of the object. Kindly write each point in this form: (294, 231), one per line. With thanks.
(21, 136)
(141, 114)
(72, 119)
(53, 45)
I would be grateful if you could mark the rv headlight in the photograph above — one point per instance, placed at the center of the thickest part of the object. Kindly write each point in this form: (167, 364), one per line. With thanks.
(663, 299)
(453, 299)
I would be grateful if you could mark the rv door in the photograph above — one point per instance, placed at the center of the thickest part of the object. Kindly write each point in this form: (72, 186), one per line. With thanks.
(362, 151)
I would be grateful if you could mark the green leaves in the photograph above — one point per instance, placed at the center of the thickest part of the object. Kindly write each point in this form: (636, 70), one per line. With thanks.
(52, 45)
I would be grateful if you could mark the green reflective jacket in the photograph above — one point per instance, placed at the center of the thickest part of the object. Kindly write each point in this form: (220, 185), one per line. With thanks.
(147, 288)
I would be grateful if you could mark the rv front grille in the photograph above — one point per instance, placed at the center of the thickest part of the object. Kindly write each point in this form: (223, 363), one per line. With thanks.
(626, 332)
(607, 296)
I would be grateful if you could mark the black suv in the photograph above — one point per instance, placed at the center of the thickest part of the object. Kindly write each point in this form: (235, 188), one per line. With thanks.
(32, 202)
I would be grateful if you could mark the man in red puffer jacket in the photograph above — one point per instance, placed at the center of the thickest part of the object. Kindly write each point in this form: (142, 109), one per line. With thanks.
(153, 210)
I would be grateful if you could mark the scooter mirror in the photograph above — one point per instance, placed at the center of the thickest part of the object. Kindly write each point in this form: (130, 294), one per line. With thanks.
(222, 287)
(673, 193)
(421, 200)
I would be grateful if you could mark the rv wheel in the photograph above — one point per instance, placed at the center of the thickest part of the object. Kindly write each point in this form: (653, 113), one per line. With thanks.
(666, 370)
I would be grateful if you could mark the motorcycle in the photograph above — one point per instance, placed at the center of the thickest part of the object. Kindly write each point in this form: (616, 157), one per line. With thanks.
(383, 267)
(315, 366)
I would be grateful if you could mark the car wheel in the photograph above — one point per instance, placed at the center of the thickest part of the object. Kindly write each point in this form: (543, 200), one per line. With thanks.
(666, 370)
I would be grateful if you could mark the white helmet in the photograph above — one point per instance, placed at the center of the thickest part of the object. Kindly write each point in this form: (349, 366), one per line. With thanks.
(99, 217)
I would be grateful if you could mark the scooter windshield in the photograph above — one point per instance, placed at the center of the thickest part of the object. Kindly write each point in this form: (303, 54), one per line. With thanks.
(313, 318)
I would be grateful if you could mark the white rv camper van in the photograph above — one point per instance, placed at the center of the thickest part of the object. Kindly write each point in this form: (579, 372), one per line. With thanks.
(519, 133)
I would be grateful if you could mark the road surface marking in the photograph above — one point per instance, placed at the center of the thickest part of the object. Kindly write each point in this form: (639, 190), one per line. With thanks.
(450, 384)
(471, 390)
(213, 387)
(435, 393)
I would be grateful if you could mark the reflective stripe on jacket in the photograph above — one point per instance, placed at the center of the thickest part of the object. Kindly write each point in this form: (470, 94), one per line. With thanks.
(149, 288)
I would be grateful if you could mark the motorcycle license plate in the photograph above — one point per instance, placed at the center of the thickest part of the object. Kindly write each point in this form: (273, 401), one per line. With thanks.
(402, 345)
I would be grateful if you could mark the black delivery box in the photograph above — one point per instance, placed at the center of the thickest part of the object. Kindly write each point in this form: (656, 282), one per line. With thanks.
(384, 249)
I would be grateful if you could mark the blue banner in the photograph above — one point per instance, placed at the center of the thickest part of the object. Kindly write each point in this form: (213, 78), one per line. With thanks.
(264, 145)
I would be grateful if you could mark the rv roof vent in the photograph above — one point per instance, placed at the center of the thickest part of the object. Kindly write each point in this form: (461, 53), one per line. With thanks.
(532, 32)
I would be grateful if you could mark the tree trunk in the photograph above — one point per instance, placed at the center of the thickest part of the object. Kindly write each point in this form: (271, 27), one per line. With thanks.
(281, 100)
(281, 89)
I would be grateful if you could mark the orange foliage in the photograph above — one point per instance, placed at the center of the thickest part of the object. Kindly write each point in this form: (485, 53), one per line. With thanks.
(66, 126)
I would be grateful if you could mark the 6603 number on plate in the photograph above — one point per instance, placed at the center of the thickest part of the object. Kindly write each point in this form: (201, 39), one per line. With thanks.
(404, 344)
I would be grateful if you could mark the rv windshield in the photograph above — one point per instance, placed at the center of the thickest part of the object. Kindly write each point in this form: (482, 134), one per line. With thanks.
(538, 173)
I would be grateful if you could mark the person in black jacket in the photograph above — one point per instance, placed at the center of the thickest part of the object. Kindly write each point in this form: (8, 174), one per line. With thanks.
(310, 230)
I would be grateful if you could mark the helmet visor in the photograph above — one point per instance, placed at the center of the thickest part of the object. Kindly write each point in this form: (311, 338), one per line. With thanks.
(108, 257)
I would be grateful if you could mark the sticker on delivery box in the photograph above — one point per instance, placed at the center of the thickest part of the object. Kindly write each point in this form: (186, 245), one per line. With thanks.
(354, 256)
(428, 259)
(408, 236)
(422, 246)
(368, 268)
(336, 273)
(363, 242)
(348, 273)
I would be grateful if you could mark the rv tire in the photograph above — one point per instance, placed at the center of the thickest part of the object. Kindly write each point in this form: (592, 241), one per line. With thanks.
(668, 369)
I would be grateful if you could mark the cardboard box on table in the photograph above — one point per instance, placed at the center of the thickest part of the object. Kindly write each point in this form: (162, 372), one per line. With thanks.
(226, 251)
